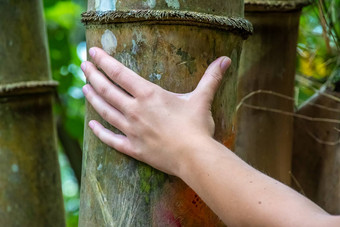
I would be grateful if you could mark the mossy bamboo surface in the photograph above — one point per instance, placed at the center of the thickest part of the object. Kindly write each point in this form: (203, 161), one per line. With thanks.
(316, 153)
(169, 51)
(29, 170)
(264, 139)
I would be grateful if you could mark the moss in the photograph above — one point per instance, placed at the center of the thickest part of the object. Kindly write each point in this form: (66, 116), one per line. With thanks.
(145, 173)
(150, 179)
(189, 60)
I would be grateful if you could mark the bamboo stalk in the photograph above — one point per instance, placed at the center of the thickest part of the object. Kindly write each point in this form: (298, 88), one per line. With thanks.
(316, 152)
(170, 45)
(29, 170)
(264, 138)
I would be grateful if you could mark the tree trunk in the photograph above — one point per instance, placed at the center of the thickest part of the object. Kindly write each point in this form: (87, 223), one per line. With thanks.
(316, 153)
(29, 170)
(170, 44)
(264, 138)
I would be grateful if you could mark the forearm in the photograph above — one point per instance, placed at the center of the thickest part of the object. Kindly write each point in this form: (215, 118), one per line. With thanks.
(156, 124)
(241, 195)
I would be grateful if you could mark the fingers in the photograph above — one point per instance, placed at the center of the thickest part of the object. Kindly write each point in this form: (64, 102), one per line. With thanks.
(212, 78)
(116, 141)
(106, 111)
(105, 88)
(126, 78)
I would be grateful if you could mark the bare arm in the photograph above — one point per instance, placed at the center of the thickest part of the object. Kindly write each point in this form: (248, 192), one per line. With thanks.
(154, 121)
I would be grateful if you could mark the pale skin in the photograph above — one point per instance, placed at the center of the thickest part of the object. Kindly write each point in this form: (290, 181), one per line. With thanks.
(154, 121)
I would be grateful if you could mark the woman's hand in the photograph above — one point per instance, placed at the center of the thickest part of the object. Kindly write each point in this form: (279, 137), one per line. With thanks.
(158, 125)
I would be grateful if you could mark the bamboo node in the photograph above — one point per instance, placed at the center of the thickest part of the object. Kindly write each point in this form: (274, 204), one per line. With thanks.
(27, 87)
(236, 25)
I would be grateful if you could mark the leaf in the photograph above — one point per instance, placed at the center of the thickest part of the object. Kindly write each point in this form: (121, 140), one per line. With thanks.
(65, 14)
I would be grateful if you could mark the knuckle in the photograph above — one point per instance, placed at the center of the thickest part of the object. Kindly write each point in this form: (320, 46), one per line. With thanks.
(113, 145)
(148, 93)
(103, 90)
(216, 76)
(134, 116)
(104, 113)
(131, 110)
(99, 60)
(97, 132)
(115, 71)
(89, 97)
(137, 153)
(88, 75)
(132, 132)
(124, 107)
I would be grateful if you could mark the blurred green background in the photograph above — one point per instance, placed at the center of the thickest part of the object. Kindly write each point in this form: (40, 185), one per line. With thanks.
(318, 64)
(67, 47)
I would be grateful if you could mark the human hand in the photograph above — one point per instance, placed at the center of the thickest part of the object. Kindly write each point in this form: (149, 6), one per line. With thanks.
(158, 125)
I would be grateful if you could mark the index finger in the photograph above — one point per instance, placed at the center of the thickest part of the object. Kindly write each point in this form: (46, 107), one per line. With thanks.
(117, 72)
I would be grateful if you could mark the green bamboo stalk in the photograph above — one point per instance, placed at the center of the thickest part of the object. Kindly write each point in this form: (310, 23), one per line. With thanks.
(29, 170)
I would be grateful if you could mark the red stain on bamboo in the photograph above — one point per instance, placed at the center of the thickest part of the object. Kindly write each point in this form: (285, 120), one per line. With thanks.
(188, 202)
(229, 141)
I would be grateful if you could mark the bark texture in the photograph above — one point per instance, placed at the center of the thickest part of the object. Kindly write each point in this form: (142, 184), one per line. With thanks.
(29, 170)
(163, 47)
(316, 153)
(264, 139)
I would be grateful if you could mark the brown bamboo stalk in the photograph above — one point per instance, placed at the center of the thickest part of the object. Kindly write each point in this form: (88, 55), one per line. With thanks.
(171, 44)
(264, 138)
(316, 153)
(29, 170)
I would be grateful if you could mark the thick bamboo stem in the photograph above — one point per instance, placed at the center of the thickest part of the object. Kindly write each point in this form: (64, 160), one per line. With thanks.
(171, 46)
(29, 170)
(316, 153)
(264, 139)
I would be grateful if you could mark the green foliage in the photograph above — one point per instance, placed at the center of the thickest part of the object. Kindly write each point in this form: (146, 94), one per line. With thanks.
(63, 14)
(70, 189)
(63, 30)
(318, 62)
(66, 39)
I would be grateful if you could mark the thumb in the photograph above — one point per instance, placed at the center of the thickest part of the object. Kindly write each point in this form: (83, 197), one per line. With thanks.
(212, 78)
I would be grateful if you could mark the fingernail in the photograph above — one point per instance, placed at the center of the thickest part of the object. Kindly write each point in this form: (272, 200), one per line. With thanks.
(91, 124)
(92, 52)
(83, 66)
(85, 89)
(225, 64)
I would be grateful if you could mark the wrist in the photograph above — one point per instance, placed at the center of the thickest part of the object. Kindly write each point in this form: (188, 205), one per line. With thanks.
(194, 155)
